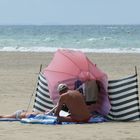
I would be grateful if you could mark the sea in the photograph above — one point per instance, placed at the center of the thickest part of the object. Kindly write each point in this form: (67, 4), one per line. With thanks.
(86, 38)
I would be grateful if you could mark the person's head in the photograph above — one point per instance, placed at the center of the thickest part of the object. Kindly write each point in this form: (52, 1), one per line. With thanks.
(62, 88)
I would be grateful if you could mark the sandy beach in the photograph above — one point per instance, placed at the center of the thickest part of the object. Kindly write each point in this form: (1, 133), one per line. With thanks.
(18, 74)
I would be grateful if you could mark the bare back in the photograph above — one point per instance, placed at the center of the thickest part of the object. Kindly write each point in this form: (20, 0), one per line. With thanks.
(76, 105)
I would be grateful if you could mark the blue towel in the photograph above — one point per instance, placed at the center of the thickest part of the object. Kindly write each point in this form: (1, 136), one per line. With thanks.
(48, 119)
(40, 119)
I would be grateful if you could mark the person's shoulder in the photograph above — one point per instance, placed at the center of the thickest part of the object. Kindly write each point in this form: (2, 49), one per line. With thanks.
(73, 92)
(68, 93)
(63, 95)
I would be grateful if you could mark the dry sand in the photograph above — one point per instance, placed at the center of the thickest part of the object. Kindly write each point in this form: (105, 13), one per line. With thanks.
(18, 74)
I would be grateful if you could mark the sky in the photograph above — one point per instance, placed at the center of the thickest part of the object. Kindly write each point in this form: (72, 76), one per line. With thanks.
(67, 12)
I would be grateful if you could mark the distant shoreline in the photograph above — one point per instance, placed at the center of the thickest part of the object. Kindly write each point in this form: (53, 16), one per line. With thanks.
(86, 50)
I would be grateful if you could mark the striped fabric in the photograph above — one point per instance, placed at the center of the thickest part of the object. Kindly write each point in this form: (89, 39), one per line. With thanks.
(123, 95)
(42, 99)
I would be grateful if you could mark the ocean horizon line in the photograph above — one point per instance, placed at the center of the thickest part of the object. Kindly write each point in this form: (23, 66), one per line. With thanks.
(133, 24)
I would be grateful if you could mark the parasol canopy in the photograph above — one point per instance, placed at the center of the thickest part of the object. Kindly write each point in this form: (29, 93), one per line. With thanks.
(67, 66)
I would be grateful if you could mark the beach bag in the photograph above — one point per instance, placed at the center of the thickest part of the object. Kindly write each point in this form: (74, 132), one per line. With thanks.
(91, 91)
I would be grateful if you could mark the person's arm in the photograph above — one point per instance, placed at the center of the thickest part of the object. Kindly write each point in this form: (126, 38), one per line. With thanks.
(59, 106)
(51, 111)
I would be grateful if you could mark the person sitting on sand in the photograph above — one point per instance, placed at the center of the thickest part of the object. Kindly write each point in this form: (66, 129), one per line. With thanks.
(74, 101)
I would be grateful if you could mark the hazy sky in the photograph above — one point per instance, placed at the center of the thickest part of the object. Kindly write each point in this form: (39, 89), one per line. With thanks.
(69, 11)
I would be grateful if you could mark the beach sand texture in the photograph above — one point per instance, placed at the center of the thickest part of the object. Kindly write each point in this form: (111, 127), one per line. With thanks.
(18, 76)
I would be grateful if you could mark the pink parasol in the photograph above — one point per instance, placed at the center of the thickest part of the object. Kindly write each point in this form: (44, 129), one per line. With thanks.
(68, 66)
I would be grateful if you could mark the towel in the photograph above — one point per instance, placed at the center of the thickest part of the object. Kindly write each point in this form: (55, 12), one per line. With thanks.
(52, 120)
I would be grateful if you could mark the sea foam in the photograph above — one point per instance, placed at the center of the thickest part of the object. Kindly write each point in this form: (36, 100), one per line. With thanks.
(53, 49)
